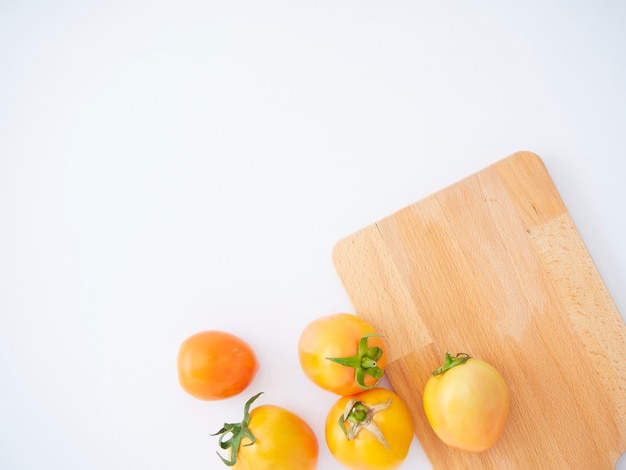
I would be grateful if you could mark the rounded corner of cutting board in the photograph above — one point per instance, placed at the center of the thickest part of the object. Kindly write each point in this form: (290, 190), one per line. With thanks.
(337, 252)
(527, 156)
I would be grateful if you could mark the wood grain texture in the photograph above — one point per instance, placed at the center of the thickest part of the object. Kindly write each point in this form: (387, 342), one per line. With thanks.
(494, 266)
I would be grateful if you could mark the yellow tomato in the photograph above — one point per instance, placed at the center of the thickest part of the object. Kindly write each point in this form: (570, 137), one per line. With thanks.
(371, 430)
(342, 353)
(269, 438)
(466, 403)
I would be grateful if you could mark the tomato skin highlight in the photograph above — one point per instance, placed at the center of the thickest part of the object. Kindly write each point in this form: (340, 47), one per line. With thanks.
(213, 365)
(284, 441)
(467, 405)
(365, 451)
(334, 336)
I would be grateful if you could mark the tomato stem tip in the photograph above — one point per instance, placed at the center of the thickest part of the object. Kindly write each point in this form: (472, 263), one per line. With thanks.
(365, 362)
(451, 362)
(236, 432)
(361, 416)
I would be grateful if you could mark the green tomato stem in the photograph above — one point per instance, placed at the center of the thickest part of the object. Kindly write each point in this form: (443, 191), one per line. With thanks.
(360, 415)
(237, 432)
(365, 362)
(451, 362)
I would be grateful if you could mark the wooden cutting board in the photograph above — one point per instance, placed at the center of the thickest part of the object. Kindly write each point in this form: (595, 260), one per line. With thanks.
(493, 266)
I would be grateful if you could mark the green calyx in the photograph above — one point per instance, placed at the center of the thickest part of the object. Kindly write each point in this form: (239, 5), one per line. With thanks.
(231, 435)
(451, 362)
(361, 416)
(365, 362)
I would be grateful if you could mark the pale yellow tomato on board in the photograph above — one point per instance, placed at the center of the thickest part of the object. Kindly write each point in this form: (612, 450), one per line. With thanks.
(467, 403)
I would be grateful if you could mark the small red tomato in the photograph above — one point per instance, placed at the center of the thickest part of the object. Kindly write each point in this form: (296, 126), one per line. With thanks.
(213, 365)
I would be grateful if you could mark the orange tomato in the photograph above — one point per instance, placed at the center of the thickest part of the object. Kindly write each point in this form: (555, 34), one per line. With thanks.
(213, 365)
(269, 438)
(466, 403)
(342, 353)
(371, 430)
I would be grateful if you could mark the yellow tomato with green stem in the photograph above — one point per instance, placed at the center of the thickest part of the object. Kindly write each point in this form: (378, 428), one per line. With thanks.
(342, 353)
(466, 402)
(371, 430)
(269, 438)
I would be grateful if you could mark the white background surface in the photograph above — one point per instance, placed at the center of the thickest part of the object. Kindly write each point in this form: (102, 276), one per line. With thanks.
(168, 167)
